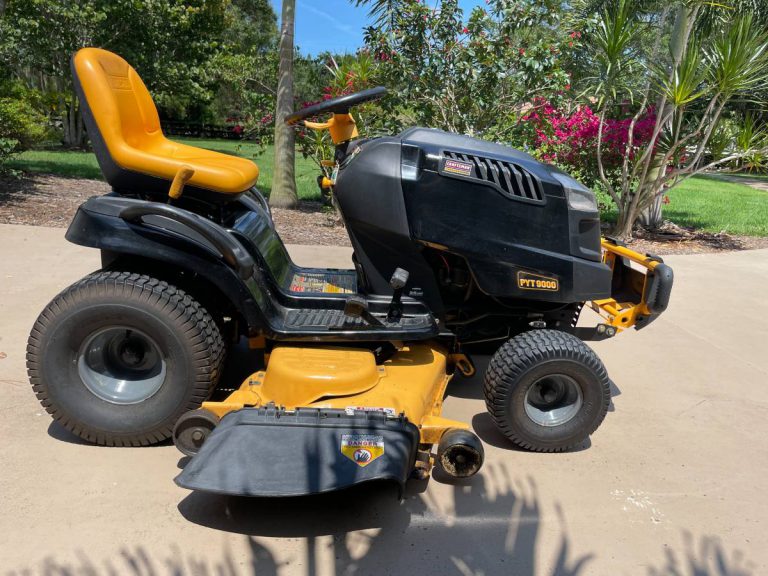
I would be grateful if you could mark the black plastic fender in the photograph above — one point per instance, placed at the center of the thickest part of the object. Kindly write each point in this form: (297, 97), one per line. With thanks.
(272, 452)
(127, 226)
(231, 250)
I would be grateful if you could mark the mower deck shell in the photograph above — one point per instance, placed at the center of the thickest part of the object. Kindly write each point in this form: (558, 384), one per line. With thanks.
(411, 383)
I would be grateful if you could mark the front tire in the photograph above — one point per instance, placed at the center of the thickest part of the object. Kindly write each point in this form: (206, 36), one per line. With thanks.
(546, 390)
(118, 357)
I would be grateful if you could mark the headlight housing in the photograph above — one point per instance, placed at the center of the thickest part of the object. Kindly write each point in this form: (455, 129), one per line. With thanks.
(579, 196)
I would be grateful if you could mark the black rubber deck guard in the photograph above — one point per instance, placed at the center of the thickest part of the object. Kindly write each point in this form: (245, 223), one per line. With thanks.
(272, 452)
(660, 289)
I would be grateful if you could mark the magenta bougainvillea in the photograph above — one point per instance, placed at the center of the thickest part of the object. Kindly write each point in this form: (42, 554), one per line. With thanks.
(570, 137)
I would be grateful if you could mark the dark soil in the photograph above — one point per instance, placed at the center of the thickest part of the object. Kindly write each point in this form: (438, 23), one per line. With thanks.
(673, 239)
(45, 200)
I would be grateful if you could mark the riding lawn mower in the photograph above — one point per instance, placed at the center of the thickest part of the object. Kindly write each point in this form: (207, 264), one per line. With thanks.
(461, 247)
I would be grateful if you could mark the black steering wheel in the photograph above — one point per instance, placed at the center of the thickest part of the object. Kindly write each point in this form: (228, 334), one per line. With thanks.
(340, 105)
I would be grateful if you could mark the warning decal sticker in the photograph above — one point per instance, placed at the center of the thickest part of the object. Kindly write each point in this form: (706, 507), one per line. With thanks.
(350, 410)
(323, 283)
(362, 449)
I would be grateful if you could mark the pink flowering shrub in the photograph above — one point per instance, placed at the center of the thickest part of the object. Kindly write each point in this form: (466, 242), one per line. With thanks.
(569, 138)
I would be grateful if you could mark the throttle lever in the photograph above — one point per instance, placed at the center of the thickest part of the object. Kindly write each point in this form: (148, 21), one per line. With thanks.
(397, 283)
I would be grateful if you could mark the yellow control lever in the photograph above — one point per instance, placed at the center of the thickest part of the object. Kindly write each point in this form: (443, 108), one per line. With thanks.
(182, 177)
(341, 126)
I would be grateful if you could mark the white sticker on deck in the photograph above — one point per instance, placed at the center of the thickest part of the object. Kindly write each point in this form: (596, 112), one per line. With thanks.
(350, 410)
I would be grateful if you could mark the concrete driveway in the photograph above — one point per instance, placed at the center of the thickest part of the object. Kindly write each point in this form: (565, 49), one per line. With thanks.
(673, 483)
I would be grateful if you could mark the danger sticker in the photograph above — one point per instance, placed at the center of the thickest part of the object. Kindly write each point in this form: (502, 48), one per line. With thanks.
(322, 283)
(350, 410)
(528, 281)
(362, 449)
(456, 167)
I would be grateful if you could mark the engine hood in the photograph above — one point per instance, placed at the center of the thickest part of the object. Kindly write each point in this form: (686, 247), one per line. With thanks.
(436, 142)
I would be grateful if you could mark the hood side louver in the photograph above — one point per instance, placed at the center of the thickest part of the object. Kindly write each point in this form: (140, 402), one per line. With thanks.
(510, 178)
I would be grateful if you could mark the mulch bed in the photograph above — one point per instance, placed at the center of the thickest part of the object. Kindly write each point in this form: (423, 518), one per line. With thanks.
(673, 239)
(43, 200)
(46, 200)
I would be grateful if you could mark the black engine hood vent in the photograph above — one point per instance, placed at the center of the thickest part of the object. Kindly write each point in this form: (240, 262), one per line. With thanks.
(510, 179)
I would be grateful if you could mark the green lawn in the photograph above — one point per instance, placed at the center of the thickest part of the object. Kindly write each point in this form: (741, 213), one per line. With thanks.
(748, 175)
(84, 165)
(714, 205)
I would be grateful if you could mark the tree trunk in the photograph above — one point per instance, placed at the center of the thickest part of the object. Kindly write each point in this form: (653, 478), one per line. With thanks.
(72, 123)
(80, 133)
(652, 216)
(624, 224)
(283, 193)
(66, 137)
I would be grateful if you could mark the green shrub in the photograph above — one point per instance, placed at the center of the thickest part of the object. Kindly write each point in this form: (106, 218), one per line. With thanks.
(7, 149)
(21, 123)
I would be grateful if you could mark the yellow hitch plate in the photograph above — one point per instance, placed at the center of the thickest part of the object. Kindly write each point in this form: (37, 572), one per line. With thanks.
(634, 282)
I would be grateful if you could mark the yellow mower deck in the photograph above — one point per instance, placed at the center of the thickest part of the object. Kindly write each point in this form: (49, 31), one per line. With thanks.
(412, 382)
(324, 418)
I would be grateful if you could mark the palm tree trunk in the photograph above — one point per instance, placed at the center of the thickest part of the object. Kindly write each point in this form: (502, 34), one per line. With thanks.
(283, 193)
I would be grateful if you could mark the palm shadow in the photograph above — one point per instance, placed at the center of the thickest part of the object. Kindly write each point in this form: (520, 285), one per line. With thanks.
(361, 553)
(703, 557)
(483, 525)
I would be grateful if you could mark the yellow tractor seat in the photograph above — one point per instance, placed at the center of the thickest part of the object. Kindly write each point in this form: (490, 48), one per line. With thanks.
(133, 153)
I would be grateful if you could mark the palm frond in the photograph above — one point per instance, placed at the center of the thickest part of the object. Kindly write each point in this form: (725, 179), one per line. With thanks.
(738, 58)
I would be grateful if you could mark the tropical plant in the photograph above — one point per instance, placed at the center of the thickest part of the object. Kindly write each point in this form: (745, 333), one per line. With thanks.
(472, 75)
(383, 12)
(344, 75)
(689, 85)
(752, 143)
(722, 139)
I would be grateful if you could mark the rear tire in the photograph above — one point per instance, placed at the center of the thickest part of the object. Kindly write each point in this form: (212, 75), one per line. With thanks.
(546, 390)
(118, 357)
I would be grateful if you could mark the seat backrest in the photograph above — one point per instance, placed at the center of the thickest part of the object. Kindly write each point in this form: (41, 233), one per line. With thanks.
(133, 153)
(118, 110)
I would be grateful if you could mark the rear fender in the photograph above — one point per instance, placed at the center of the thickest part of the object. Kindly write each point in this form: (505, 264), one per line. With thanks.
(160, 241)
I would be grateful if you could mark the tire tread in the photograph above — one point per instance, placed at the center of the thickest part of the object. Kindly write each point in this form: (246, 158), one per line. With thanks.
(196, 324)
(518, 355)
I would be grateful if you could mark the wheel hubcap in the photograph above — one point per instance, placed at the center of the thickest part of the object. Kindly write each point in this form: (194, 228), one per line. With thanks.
(553, 400)
(121, 365)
